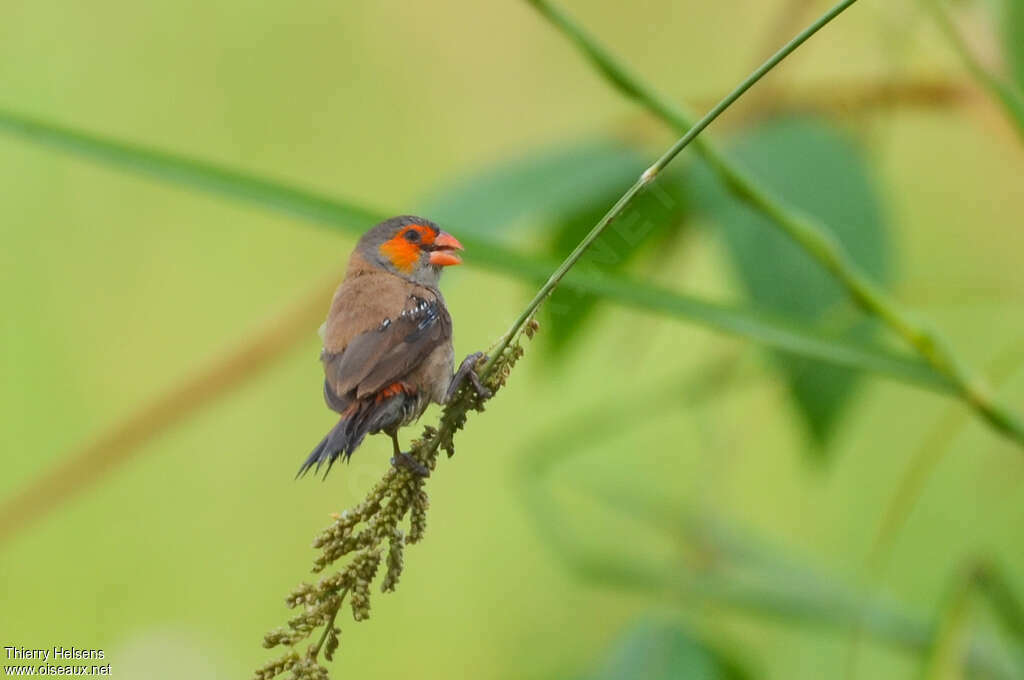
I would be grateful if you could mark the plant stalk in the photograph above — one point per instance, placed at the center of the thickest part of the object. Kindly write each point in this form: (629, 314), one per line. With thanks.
(811, 236)
(652, 172)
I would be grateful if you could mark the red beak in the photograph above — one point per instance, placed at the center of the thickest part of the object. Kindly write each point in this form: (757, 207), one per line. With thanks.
(442, 255)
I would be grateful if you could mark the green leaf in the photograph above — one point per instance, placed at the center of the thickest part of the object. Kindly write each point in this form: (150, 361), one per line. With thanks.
(565, 190)
(1013, 40)
(817, 171)
(567, 311)
(791, 337)
(794, 338)
(192, 173)
(653, 217)
(659, 651)
(549, 184)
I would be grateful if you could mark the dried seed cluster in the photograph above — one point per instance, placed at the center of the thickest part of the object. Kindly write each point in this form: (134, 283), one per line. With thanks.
(362, 531)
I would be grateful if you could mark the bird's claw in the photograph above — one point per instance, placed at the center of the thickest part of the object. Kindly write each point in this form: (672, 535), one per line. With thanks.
(405, 461)
(482, 392)
(467, 371)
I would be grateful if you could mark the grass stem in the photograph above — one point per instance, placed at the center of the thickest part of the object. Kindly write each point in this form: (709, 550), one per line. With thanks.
(814, 238)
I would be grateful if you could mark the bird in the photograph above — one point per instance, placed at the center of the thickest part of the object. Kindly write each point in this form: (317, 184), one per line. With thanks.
(387, 342)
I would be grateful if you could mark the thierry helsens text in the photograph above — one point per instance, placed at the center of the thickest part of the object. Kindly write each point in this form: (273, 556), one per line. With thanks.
(53, 653)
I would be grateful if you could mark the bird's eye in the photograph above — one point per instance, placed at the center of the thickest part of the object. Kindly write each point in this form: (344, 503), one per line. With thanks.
(412, 236)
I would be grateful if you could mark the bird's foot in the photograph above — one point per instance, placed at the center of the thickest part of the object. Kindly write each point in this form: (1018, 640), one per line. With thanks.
(404, 461)
(467, 371)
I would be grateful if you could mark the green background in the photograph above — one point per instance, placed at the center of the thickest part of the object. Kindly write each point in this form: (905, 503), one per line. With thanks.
(115, 287)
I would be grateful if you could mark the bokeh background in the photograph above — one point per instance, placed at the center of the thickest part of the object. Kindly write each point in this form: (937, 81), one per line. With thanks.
(117, 287)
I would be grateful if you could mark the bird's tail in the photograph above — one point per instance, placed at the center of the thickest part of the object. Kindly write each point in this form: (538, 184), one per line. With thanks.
(357, 421)
(340, 442)
(389, 407)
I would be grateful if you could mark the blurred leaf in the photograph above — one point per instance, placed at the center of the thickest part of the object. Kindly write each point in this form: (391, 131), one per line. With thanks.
(192, 173)
(567, 310)
(555, 182)
(1013, 39)
(654, 216)
(1004, 599)
(660, 651)
(945, 660)
(566, 190)
(795, 338)
(818, 171)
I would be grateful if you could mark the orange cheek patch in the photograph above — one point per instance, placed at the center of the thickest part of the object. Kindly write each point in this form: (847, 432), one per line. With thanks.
(401, 253)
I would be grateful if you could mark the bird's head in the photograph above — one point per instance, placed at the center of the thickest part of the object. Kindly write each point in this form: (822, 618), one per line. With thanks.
(411, 247)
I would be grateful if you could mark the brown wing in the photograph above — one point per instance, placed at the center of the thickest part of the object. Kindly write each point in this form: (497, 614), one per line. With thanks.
(377, 358)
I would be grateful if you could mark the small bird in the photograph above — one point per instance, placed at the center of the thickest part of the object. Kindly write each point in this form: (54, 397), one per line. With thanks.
(387, 342)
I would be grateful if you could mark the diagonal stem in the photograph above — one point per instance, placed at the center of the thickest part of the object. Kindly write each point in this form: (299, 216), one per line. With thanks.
(807, 233)
(740, 570)
(651, 173)
(346, 215)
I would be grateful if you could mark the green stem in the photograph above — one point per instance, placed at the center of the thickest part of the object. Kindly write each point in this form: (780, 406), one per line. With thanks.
(563, 269)
(739, 570)
(314, 651)
(750, 324)
(652, 172)
(738, 92)
(1008, 95)
(813, 237)
(1004, 600)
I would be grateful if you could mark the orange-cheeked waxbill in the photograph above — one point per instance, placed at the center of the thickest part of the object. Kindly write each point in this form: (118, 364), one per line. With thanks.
(387, 342)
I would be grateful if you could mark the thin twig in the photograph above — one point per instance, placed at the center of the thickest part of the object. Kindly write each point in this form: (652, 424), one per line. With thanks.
(935, 447)
(652, 172)
(337, 541)
(806, 232)
(949, 650)
(740, 571)
(314, 653)
(349, 216)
